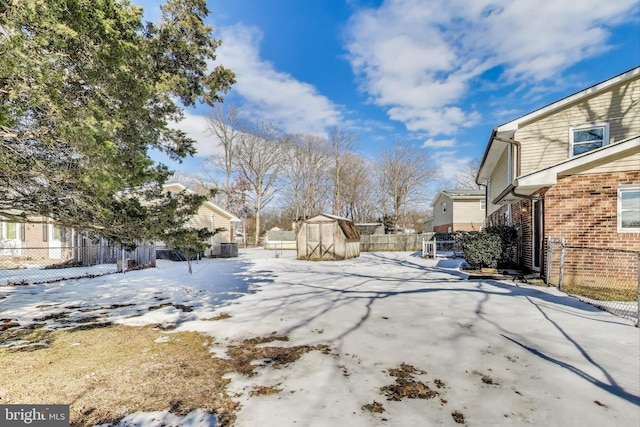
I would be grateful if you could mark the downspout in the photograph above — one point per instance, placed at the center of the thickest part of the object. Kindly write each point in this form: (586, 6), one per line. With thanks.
(512, 142)
(518, 160)
(518, 149)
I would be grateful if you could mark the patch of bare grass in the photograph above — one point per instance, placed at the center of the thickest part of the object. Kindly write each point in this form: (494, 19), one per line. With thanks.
(220, 316)
(261, 390)
(375, 407)
(406, 386)
(107, 372)
(458, 417)
(243, 355)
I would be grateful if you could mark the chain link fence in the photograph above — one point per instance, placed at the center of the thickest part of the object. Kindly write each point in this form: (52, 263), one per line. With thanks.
(605, 278)
(29, 265)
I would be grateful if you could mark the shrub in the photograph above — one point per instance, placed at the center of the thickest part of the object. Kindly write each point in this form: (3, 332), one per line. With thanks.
(481, 249)
(509, 241)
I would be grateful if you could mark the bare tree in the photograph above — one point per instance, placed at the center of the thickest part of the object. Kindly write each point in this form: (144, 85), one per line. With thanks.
(466, 179)
(404, 170)
(227, 127)
(341, 143)
(307, 168)
(259, 160)
(358, 192)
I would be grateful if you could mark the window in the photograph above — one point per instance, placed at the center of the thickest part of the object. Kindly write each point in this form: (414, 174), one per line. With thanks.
(629, 208)
(45, 232)
(483, 205)
(11, 230)
(59, 233)
(586, 138)
(444, 207)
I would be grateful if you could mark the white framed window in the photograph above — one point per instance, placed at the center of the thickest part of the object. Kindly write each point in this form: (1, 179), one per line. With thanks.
(629, 209)
(483, 205)
(585, 138)
(444, 207)
(11, 230)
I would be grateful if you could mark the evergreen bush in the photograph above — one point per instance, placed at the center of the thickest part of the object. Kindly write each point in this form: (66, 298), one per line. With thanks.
(481, 249)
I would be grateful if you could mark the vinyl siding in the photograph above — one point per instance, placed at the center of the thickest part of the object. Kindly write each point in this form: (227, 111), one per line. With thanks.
(468, 212)
(546, 141)
(440, 218)
(202, 219)
(499, 181)
(623, 164)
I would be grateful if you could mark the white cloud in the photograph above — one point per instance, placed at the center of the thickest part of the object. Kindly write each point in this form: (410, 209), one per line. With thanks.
(417, 58)
(271, 95)
(441, 143)
(450, 163)
(195, 126)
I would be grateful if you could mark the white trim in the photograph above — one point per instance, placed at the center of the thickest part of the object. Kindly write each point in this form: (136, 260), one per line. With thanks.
(622, 189)
(587, 126)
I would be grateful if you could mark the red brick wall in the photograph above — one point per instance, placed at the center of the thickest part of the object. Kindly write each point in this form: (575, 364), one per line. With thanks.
(583, 209)
(443, 228)
(457, 227)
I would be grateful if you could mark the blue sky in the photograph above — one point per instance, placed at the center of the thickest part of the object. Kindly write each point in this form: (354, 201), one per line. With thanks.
(437, 73)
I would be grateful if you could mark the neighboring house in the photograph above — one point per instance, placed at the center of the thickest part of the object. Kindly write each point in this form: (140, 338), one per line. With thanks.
(210, 216)
(458, 210)
(278, 239)
(569, 170)
(39, 239)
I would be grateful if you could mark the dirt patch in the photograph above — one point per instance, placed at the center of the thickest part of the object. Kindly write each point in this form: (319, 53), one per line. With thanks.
(108, 372)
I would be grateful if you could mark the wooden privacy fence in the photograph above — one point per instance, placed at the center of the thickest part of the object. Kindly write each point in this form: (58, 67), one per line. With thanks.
(392, 242)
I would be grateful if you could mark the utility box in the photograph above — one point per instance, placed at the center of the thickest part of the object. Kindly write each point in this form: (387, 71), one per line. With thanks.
(228, 250)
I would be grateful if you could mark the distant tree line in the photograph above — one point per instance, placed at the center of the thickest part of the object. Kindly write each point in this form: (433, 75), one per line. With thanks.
(304, 175)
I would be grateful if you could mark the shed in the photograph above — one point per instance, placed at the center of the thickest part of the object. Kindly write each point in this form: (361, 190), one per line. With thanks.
(328, 237)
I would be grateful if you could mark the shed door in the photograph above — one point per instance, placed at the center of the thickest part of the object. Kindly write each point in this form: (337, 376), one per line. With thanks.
(320, 240)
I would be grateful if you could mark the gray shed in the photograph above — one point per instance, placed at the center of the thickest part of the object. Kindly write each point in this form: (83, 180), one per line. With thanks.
(328, 237)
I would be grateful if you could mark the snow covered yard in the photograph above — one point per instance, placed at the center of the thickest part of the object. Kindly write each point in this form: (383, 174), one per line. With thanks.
(401, 340)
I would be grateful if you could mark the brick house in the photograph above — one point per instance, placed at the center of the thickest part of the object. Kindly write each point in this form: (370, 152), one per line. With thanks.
(571, 170)
(458, 210)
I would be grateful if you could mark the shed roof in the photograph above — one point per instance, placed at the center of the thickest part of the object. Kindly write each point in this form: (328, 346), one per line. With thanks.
(347, 226)
(460, 195)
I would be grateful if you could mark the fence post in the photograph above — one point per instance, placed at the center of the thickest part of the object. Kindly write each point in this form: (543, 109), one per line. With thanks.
(561, 274)
(549, 259)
